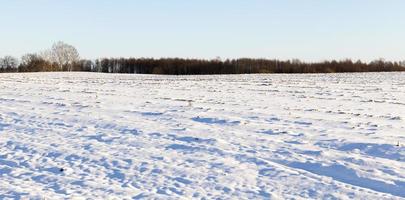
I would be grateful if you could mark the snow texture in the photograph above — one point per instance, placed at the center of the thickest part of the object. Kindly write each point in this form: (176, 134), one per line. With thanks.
(110, 136)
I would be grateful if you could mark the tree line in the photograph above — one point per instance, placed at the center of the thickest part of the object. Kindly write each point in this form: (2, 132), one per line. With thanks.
(65, 57)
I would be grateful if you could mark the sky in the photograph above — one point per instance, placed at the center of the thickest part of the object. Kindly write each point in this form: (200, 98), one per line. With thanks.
(310, 30)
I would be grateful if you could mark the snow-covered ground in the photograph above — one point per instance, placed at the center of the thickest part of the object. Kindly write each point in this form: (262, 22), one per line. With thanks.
(109, 136)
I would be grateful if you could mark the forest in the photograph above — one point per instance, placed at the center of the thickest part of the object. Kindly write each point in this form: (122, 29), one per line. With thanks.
(65, 57)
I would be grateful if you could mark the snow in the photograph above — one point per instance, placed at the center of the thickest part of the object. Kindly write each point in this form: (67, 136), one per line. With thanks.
(112, 136)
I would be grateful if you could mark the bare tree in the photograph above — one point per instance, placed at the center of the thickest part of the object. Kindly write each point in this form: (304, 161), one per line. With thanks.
(8, 63)
(34, 63)
(64, 55)
(46, 55)
(27, 58)
(402, 64)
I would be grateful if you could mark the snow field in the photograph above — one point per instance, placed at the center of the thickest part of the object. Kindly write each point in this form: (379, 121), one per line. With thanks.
(112, 136)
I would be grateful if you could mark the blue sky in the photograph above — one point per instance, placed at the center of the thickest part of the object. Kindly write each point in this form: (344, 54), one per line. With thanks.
(306, 29)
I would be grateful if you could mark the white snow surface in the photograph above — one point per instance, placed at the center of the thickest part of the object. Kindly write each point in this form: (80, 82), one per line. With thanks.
(314, 136)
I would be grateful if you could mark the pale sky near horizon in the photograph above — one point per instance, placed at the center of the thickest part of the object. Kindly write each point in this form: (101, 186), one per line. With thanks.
(310, 30)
